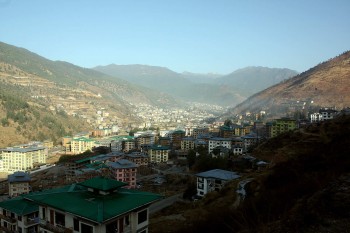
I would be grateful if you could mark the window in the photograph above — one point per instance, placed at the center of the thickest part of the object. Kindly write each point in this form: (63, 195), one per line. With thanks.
(76, 224)
(86, 228)
(44, 213)
(60, 219)
(142, 216)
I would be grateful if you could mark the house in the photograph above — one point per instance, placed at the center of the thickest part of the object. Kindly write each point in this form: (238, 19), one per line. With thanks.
(125, 171)
(158, 154)
(213, 180)
(18, 183)
(94, 206)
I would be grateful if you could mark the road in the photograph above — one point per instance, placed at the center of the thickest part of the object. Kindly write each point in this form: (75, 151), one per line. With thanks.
(159, 205)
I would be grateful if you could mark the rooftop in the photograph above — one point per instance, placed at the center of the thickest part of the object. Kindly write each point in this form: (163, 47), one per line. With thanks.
(122, 163)
(19, 206)
(219, 174)
(19, 177)
(76, 199)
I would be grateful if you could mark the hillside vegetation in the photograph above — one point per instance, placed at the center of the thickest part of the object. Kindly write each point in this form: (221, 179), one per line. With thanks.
(23, 121)
(327, 85)
(306, 189)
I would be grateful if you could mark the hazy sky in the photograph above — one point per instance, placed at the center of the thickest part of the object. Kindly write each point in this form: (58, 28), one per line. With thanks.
(184, 35)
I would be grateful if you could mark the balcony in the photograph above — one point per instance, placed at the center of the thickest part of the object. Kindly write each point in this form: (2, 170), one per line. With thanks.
(5, 229)
(30, 222)
(8, 219)
(56, 229)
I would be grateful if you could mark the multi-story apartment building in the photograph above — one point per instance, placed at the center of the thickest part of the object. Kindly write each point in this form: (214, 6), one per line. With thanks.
(129, 145)
(19, 215)
(144, 139)
(117, 142)
(22, 159)
(18, 183)
(125, 171)
(226, 132)
(200, 131)
(80, 145)
(140, 159)
(164, 141)
(216, 142)
(187, 144)
(176, 137)
(280, 126)
(158, 154)
(94, 206)
(249, 141)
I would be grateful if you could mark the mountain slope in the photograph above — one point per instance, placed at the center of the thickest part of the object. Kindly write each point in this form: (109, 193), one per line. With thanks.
(69, 75)
(254, 79)
(327, 85)
(210, 88)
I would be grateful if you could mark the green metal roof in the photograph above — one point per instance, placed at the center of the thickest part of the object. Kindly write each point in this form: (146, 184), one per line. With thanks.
(96, 207)
(159, 147)
(83, 139)
(20, 206)
(103, 184)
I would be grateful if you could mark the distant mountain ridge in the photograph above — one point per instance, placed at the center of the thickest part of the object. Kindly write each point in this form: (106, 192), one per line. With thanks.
(325, 85)
(253, 79)
(226, 90)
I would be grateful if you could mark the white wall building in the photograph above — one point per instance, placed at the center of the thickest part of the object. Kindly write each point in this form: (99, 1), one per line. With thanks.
(213, 180)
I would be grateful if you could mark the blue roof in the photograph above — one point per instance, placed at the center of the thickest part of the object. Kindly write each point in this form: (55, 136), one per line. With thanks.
(23, 150)
(219, 174)
(19, 177)
(122, 163)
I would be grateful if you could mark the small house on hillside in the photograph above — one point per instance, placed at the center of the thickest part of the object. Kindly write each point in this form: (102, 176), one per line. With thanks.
(213, 180)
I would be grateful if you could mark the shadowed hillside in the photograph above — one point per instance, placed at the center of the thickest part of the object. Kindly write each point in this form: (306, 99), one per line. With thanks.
(306, 189)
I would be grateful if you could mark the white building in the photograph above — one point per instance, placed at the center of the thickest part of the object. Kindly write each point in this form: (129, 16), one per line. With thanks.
(213, 180)
(22, 159)
(215, 142)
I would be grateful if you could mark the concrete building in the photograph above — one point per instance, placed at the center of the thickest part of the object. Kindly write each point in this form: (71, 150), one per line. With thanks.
(158, 154)
(215, 142)
(22, 159)
(18, 183)
(80, 145)
(97, 205)
(125, 171)
(187, 144)
(213, 180)
(280, 126)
